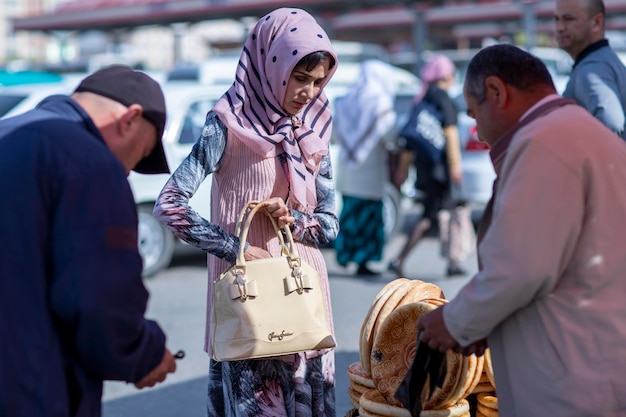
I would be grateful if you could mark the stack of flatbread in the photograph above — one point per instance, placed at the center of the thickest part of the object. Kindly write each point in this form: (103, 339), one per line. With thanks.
(486, 383)
(393, 295)
(373, 404)
(487, 405)
(387, 347)
(360, 383)
(485, 391)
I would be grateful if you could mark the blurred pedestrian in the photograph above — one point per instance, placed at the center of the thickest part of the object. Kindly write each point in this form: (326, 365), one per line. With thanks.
(549, 293)
(435, 176)
(72, 298)
(364, 128)
(266, 139)
(598, 79)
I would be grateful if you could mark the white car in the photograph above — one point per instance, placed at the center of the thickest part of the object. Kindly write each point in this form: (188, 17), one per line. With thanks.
(17, 99)
(478, 172)
(187, 105)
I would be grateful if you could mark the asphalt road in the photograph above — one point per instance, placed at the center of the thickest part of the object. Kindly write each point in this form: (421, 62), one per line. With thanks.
(178, 303)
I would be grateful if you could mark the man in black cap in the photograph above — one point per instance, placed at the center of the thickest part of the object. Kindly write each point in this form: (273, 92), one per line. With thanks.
(72, 300)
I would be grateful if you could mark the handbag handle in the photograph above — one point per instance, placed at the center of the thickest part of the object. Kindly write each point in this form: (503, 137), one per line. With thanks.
(242, 232)
(241, 288)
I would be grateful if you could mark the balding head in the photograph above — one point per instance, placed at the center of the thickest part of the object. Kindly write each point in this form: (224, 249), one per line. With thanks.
(501, 83)
(504, 62)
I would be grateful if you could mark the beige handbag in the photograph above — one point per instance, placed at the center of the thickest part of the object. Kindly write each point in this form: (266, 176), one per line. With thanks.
(267, 307)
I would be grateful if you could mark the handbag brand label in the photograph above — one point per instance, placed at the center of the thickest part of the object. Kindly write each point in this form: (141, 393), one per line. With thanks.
(280, 336)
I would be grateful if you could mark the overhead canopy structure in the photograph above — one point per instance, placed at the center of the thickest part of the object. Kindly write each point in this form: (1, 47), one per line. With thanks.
(415, 21)
(85, 15)
(111, 14)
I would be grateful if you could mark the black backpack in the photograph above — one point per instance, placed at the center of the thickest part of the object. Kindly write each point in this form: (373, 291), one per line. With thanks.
(423, 133)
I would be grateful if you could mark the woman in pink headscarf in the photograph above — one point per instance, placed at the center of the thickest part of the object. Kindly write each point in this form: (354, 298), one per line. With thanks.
(266, 139)
(435, 180)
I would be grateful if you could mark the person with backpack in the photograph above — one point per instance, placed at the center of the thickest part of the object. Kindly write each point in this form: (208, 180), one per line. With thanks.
(431, 143)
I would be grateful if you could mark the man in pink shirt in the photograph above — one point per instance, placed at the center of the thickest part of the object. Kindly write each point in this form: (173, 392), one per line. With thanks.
(548, 299)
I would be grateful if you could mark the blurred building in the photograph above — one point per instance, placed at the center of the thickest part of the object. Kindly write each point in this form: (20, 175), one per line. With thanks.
(151, 46)
(160, 33)
(21, 48)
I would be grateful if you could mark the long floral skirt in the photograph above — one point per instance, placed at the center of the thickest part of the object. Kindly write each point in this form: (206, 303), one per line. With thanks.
(291, 387)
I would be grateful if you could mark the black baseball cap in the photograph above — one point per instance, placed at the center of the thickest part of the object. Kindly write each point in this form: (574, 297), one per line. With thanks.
(127, 86)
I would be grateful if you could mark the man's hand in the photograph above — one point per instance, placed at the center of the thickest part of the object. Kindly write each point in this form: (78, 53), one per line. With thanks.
(158, 374)
(433, 331)
(476, 348)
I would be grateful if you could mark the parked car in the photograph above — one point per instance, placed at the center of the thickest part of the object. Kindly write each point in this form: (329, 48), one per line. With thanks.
(187, 105)
(17, 99)
(478, 172)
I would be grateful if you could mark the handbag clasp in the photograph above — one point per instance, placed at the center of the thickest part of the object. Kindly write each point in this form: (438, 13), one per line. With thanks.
(240, 288)
(298, 281)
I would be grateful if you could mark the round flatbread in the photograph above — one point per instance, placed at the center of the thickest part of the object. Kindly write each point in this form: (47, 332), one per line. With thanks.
(361, 389)
(488, 400)
(441, 396)
(406, 292)
(420, 290)
(364, 413)
(488, 412)
(374, 402)
(386, 308)
(354, 397)
(483, 377)
(394, 347)
(436, 301)
(466, 377)
(392, 303)
(478, 372)
(429, 290)
(357, 374)
(456, 410)
(366, 339)
(483, 387)
(489, 367)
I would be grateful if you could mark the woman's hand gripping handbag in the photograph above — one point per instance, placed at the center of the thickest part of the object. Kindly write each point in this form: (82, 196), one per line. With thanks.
(267, 307)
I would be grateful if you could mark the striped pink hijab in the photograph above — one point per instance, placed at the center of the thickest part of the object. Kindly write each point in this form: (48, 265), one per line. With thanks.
(252, 107)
